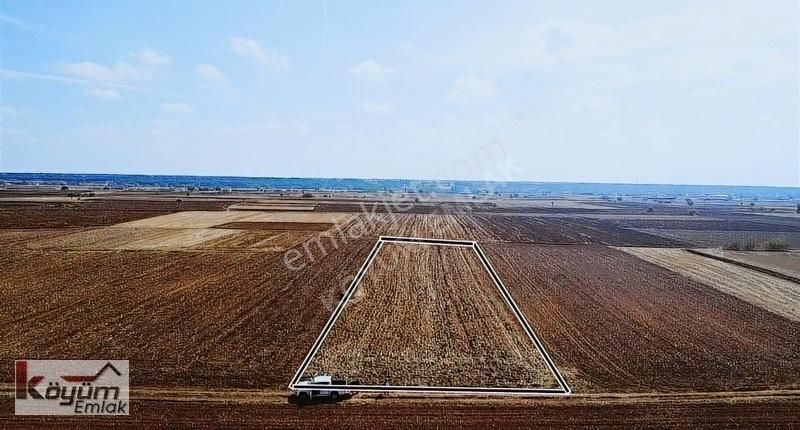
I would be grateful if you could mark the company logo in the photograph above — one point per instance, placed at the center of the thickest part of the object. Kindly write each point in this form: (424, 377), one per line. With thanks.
(71, 387)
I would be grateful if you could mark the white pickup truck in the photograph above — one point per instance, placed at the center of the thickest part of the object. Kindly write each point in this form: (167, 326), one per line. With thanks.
(317, 392)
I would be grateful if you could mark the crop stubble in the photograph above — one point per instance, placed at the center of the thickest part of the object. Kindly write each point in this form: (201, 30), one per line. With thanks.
(768, 292)
(430, 316)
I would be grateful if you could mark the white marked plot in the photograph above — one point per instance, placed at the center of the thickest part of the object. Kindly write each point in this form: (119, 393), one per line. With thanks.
(427, 315)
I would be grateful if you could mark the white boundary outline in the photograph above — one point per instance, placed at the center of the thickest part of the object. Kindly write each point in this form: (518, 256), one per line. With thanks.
(563, 390)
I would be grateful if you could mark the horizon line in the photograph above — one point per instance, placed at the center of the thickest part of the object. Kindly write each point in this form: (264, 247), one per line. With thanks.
(795, 187)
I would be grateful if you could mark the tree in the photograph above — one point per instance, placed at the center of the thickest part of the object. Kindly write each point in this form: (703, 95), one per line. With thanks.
(64, 188)
(798, 208)
(776, 245)
(689, 202)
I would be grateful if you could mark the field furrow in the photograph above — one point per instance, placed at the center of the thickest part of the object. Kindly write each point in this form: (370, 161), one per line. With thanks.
(768, 292)
(430, 315)
(613, 322)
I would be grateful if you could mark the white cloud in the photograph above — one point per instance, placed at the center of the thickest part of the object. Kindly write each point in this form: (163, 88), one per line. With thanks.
(375, 108)
(369, 69)
(103, 93)
(98, 72)
(20, 75)
(176, 108)
(145, 64)
(209, 72)
(17, 22)
(468, 88)
(152, 58)
(251, 49)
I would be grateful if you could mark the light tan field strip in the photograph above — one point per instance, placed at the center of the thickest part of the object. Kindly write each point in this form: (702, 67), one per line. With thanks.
(271, 207)
(785, 263)
(191, 230)
(207, 219)
(775, 295)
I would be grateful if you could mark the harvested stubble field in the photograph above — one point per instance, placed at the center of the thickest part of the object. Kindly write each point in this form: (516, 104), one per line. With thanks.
(272, 225)
(430, 316)
(503, 228)
(258, 240)
(232, 319)
(613, 322)
(768, 292)
(191, 230)
(149, 238)
(439, 226)
(378, 207)
(787, 263)
(208, 219)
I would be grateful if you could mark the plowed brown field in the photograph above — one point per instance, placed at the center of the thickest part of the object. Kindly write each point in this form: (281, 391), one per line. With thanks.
(717, 238)
(745, 411)
(430, 315)
(573, 231)
(613, 322)
(198, 319)
(225, 327)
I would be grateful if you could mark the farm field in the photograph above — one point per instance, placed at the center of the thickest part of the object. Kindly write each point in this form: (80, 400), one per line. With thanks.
(707, 224)
(615, 323)
(207, 219)
(186, 231)
(574, 231)
(776, 295)
(516, 228)
(782, 262)
(429, 315)
(718, 238)
(207, 319)
(214, 321)
(34, 215)
(257, 412)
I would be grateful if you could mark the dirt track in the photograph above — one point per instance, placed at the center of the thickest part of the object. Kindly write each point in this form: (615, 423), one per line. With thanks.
(743, 411)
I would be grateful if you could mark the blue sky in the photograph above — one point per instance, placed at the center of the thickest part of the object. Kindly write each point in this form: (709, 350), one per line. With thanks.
(616, 91)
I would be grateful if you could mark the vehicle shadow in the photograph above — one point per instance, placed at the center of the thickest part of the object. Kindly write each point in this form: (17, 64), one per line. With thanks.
(304, 401)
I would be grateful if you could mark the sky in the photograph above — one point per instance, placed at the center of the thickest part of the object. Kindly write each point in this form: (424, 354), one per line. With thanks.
(679, 92)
